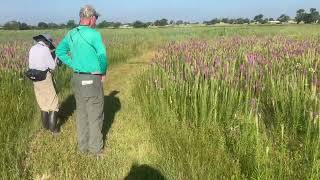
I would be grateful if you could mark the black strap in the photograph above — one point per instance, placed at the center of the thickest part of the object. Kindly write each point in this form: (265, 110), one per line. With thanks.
(78, 30)
(82, 73)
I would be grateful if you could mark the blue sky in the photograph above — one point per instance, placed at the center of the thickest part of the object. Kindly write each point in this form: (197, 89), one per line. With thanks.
(59, 11)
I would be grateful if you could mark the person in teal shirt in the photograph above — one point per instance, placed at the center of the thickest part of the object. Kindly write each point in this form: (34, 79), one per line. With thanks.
(82, 50)
(87, 48)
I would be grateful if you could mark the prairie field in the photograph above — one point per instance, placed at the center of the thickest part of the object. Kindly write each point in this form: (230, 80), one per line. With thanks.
(235, 102)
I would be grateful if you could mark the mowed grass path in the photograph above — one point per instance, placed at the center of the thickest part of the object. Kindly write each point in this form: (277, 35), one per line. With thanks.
(129, 151)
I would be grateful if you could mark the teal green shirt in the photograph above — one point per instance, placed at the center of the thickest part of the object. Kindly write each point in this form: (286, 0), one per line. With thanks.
(83, 50)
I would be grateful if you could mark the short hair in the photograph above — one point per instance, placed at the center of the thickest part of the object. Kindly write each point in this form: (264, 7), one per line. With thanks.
(87, 12)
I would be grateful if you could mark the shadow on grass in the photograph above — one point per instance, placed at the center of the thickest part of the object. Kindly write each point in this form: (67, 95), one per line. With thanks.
(66, 109)
(144, 172)
(112, 105)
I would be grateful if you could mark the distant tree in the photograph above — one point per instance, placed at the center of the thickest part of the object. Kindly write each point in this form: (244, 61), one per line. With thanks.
(186, 23)
(313, 10)
(179, 22)
(157, 23)
(16, 25)
(314, 15)
(307, 18)
(71, 24)
(247, 20)
(116, 25)
(225, 20)
(264, 21)
(149, 23)
(162, 22)
(12, 25)
(53, 25)
(104, 24)
(24, 26)
(271, 19)
(300, 15)
(172, 22)
(259, 18)
(62, 25)
(239, 21)
(43, 25)
(283, 18)
(232, 21)
(215, 21)
(206, 22)
(32, 27)
(139, 24)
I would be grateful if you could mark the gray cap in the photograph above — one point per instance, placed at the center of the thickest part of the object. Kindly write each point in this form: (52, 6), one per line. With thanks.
(87, 12)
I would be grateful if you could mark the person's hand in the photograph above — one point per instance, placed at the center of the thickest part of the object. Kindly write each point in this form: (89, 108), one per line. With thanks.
(53, 54)
(103, 78)
(58, 62)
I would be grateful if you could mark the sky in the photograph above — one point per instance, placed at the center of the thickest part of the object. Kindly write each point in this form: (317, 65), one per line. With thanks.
(60, 11)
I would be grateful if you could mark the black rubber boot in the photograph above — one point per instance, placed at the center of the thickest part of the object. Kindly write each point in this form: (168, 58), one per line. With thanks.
(45, 119)
(53, 121)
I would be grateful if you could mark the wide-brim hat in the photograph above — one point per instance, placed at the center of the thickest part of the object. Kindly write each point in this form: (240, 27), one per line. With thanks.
(45, 37)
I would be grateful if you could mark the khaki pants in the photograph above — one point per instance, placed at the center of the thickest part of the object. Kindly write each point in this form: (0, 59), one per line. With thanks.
(46, 94)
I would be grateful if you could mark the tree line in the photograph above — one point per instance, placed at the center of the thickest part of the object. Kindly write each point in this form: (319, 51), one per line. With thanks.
(16, 25)
(301, 16)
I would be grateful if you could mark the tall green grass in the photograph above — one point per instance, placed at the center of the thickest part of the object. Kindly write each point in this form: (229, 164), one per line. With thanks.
(217, 115)
(189, 151)
(17, 123)
(19, 114)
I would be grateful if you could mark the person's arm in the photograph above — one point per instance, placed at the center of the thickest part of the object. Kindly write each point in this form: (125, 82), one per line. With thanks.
(51, 63)
(30, 58)
(62, 52)
(101, 53)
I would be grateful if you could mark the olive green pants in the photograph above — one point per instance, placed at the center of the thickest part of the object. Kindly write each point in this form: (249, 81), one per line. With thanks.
(88, 91)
